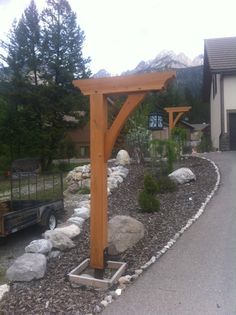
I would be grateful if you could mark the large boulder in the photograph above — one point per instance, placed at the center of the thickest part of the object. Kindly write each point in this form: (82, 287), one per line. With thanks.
(70, 230)
(27, 267)
(41, 246)
(123, 158)
(182, 175)
(123, 233)
(59, 240)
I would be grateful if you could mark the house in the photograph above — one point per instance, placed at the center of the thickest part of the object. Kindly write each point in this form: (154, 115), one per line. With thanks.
(220, 90)
(80, 137)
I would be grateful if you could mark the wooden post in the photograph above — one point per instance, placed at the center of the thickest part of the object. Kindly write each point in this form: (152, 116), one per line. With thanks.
(98, 219)
(179, 110)
(102, 140)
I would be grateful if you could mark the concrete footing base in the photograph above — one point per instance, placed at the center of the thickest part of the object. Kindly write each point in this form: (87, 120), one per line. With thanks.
(84, 275)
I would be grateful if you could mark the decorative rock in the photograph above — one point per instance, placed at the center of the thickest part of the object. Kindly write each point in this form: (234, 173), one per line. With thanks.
(134, 277)
(113, 294)
(3, 289)
(104, 303)
(87, 182)
(123, 233)
(84, 203)
(182, 175)
(123, 158)
(59, 240)
(73, 188)
(54, 254)
(121, 170)
(82, 212)
(77, 221)
(41, 246)
(138, 271)
(112, 183)
(124, 279)
(27, 267)
(108, 298)
(97, 309)
(70, 231)
(118, 291)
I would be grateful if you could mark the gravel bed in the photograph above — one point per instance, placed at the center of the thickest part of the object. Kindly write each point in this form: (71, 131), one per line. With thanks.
(54, 295)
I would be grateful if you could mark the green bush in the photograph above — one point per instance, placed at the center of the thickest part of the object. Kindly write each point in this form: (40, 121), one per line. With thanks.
(148, 202)
(150, 185)
(165, 184)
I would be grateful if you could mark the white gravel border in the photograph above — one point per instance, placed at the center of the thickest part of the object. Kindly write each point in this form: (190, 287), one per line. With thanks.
(125, 280)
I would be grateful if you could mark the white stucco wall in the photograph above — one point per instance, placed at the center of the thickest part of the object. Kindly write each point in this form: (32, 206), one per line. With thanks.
(215, 115)
(229, 96)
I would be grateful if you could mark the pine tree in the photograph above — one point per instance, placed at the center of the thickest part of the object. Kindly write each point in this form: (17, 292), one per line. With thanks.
(14, 48)
(31, 29)
(62, 44)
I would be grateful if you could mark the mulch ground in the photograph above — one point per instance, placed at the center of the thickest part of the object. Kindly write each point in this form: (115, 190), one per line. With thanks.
(54, 294)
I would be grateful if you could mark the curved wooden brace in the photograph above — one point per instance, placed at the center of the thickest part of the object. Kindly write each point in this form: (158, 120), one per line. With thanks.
(176, 119)
(128, 107)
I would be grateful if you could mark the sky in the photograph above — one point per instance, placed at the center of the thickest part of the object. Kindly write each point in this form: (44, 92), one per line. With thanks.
(121, 33)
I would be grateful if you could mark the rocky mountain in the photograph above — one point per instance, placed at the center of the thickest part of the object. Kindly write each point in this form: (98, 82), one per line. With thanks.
(189, 73)
(166, 60)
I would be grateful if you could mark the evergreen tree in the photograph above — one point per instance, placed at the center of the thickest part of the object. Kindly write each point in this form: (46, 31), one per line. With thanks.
(62, 44)
(31, 41)
(14, 48)
(33, 121)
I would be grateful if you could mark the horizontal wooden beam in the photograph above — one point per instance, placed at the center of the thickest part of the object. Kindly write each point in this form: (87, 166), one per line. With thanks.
(178, 109)
(125, 84)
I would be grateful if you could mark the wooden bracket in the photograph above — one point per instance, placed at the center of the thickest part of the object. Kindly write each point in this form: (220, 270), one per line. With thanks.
(103, 139)
(179, 110)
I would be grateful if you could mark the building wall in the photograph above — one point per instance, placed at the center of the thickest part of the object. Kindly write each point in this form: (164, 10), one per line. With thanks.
(215, 115)
(229, 96)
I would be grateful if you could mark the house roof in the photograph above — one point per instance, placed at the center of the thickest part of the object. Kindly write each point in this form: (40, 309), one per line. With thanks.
(219, 57)
(221, 54)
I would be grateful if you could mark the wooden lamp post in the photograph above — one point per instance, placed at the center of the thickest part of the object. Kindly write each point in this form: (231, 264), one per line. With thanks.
(102, 140)
(179, 110)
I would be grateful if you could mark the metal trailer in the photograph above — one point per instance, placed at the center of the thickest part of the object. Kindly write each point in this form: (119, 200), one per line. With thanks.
(35, 199)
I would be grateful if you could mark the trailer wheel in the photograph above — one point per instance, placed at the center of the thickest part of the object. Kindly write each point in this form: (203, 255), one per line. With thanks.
(49, 220)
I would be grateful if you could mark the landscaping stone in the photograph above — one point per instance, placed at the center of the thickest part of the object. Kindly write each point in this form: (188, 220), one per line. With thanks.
(76, 220)
(71, 230)
(27, 267)
(59, 240)
(123, 233)
(182, 175)
(82, 212)
(123, 158)
(54, 254)
(3, 289)
(41, 246)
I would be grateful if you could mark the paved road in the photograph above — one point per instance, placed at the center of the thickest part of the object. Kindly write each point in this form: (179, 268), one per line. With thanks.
(198, 275)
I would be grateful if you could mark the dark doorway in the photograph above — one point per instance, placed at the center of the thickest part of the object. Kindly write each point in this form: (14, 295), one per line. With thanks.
(232, 131)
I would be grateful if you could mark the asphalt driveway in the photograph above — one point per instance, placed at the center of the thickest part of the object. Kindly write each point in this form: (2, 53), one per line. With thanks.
(198, 274)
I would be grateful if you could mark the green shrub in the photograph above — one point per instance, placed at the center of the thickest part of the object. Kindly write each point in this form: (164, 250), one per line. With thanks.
(148, 202)
(165, 184)
(150, 185)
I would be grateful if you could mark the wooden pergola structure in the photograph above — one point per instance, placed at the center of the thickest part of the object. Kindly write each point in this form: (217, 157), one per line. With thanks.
(103, 138)
(179, 111)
